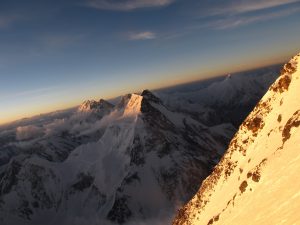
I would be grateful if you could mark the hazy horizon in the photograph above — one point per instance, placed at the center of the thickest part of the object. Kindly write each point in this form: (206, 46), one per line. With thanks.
(137, 90)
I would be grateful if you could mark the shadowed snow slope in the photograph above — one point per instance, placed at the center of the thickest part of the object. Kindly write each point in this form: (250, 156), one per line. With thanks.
(257, 180)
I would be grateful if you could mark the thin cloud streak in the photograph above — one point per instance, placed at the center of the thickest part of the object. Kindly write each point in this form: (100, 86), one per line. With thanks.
(127, 5)
(146, 35)
(236, 14)
(235, 7)
(235, 22)
(259, 5)
(229, 22)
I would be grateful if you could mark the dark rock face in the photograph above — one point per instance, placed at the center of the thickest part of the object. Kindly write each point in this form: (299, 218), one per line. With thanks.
(85, 181)
(150, 96)
(120, 212)
(137, 154)
(294, 121)
(9, 177)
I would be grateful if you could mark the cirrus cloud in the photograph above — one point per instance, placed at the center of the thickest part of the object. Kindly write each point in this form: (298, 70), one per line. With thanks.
(145, 35)
(127, 5)
(233, 14)
(248, 6)
(242, 20)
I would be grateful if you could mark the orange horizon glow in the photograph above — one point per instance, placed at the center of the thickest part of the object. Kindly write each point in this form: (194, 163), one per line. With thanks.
(177, 79)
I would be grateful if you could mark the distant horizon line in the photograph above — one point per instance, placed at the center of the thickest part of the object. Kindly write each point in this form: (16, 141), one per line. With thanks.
(156, 89)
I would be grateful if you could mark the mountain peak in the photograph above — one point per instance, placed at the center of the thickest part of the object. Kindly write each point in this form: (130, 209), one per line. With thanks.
(105, 104)
(150, 96)
(124, 100)
(89, 105)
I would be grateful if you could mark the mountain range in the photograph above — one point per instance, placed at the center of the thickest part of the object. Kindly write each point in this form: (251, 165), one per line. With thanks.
(133, 161)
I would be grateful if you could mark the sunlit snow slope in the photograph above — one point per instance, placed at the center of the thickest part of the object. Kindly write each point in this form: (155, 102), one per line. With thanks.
(257, 180)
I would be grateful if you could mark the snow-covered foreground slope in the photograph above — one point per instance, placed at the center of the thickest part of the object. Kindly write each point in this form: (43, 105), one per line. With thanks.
(257, 180)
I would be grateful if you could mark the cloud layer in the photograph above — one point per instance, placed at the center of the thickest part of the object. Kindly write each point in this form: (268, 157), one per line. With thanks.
(28, 132)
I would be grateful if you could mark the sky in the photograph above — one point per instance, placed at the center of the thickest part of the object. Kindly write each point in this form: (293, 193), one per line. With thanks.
(55, 54)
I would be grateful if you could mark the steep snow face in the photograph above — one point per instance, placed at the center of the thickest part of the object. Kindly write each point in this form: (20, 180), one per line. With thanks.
(133, 106)
(257, 180)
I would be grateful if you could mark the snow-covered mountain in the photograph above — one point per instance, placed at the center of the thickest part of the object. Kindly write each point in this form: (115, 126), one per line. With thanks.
(140, 147)
(229, 99)
(92, 105)
(133, 163)
(257, 180)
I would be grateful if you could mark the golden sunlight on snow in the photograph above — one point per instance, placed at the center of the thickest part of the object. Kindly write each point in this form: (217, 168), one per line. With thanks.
(257, 181)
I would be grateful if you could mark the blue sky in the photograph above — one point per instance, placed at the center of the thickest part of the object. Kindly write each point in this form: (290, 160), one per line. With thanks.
(55, 54)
